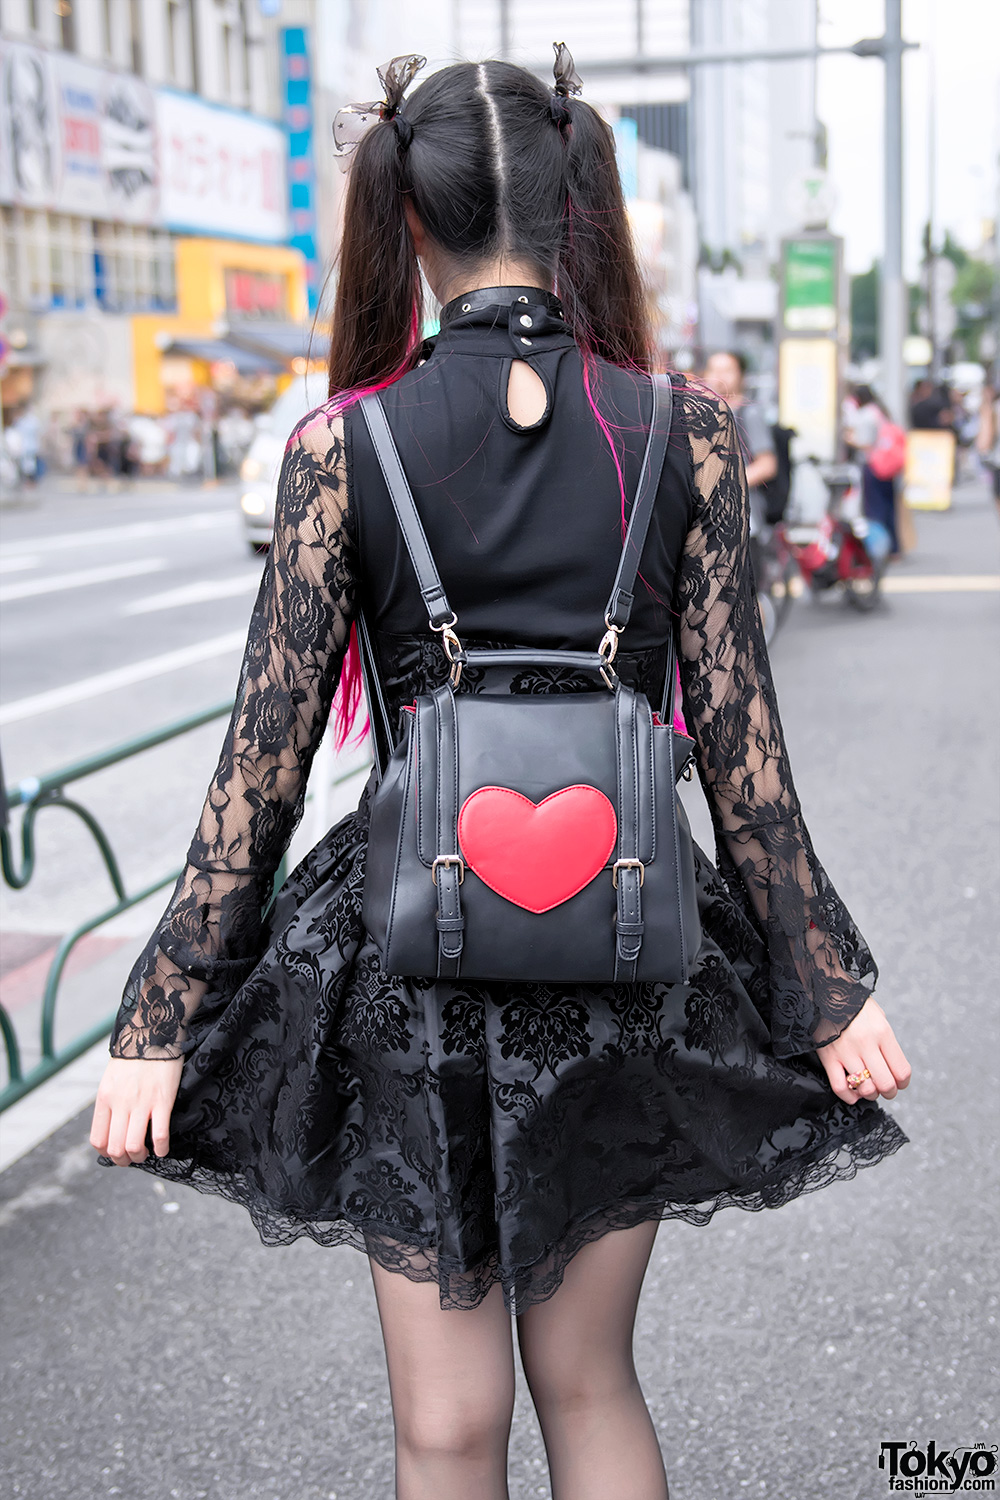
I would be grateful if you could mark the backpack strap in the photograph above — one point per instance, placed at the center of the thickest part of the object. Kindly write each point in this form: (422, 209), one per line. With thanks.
(623, 593)
(439, 611)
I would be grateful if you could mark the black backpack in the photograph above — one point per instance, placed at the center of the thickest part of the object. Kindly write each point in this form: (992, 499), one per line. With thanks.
(777, 490)
(522, 837)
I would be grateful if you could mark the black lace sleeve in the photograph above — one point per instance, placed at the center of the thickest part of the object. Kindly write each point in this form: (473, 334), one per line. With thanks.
(821, 971)
(211, 932)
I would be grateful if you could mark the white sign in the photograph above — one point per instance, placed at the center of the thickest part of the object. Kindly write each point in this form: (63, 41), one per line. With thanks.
(220, 172)
(84, 140)
(75, 138)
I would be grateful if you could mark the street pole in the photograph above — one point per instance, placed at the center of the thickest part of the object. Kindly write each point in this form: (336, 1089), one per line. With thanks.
(892, 302)
(504, 18)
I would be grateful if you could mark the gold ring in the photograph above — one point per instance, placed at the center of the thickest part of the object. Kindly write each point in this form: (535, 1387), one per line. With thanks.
(853, 1079)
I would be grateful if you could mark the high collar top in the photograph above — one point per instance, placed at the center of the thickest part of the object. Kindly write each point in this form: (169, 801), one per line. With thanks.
(506, 320)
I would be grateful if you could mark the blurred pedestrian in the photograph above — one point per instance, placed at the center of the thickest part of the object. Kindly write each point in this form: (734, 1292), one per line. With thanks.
(235, 433)
(185, 448)
(725, 374)
(28, 430)
(107, 440)
(932, 406)
(988, 436)
(147, 444)
(881, 449)
(79, 440)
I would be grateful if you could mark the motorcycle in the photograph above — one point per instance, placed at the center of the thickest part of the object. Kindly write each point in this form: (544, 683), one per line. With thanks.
(826, 542)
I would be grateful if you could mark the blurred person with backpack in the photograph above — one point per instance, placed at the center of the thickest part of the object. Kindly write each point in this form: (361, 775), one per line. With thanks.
(881, 450)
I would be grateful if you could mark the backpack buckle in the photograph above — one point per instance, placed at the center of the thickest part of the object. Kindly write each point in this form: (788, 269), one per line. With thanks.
(452, 647)
(627, 864)
(447, 860)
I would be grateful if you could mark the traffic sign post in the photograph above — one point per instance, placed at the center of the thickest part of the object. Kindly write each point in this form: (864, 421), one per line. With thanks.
(810, 342)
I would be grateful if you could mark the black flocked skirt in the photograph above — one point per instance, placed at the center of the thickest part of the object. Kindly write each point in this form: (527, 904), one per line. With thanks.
(471, 1134)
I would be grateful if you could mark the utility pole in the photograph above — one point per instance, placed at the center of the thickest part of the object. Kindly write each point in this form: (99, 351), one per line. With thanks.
(504, 18)
(890, 48)
(892, 289)
(892, 310)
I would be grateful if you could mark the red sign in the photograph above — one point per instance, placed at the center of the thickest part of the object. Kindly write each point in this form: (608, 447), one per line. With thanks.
(256, 294)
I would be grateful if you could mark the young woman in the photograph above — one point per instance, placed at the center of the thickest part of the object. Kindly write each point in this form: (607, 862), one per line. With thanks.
(498, 1149)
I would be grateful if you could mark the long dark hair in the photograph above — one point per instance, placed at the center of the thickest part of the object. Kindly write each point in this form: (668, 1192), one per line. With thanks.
(494, 164)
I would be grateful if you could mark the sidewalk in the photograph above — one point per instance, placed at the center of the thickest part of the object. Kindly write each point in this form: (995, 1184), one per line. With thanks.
(158, 1350)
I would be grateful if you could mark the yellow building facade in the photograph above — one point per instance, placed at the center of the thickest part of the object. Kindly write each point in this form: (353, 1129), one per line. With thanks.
(221, 285)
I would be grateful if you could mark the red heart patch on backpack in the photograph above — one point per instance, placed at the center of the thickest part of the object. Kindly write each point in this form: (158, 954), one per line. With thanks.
(537, 854)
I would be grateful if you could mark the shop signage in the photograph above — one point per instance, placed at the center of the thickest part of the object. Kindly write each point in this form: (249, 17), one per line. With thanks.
(298, 115)
(75, 138)
(80, 139)
(256, 294)
(220, 172)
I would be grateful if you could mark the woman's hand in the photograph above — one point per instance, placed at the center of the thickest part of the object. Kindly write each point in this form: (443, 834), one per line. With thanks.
(868, 1042)
(134, 1094)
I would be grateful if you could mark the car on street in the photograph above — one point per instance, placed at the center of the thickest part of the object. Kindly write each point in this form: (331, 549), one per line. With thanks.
(260, 468)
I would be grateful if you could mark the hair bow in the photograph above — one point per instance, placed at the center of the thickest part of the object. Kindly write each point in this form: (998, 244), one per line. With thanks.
(568, 80)
(351, 122)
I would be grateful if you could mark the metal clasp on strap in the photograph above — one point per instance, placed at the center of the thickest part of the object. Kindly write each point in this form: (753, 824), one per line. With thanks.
(453, 648)
(447, 860)
(609, 650)
(627, 864)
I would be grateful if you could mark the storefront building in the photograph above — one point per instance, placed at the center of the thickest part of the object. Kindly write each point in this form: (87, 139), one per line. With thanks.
(144, 229)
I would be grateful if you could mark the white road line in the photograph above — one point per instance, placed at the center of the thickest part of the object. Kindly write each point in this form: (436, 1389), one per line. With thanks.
(194, 593)
(100, 536)
(18, 564)
(941, 583)
(107, 682)
(56, 583)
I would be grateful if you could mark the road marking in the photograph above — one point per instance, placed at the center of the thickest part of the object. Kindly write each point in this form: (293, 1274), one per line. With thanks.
(108, 682)
(55, 583)
(942, 583)
(194, 593)
(18, 564)
(134, 531)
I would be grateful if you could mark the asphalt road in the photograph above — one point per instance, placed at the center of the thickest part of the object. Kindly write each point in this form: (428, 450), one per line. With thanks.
(155, 1349)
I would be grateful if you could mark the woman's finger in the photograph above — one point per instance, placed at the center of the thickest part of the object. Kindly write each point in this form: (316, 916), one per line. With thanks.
(100, 1125)
(882, 1076)
(893, 1054)
(161, 1127)
(835, 1073)
(135, 1136)
(116, 1136)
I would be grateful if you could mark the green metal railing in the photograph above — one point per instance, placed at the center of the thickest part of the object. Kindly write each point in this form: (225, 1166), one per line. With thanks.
(33, 794)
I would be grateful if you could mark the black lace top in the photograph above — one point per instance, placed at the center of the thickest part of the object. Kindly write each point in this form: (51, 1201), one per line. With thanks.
(526, 525)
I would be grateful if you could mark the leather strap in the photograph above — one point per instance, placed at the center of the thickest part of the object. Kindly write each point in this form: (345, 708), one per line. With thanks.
(522, 656)
(623, 593)
(448, 867)
(432, 592)
(383, 738)
(629, 926)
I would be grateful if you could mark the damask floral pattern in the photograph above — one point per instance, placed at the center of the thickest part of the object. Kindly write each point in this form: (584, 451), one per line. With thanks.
(475, 1134)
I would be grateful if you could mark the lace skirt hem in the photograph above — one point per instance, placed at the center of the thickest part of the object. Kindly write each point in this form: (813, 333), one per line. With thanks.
(463, 1286)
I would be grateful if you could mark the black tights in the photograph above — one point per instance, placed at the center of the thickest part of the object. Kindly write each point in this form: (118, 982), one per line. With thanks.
(451, 1376)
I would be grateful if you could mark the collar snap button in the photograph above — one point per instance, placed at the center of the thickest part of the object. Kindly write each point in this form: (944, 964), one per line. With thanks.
(525, 320)
(525, 341)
